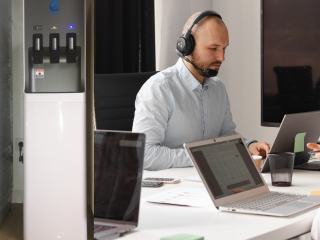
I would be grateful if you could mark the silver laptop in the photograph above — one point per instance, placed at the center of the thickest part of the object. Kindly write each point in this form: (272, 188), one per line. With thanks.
(292, 124)
(118, 166)
(234, 182)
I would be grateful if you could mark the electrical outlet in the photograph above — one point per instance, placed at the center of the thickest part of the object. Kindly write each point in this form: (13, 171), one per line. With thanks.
(16, 143)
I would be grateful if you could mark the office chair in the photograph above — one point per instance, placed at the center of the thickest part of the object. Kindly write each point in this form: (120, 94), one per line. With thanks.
(114, 98)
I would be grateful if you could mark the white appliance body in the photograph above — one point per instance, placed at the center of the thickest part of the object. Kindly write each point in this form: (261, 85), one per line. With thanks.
(55, 167)
(55, 202)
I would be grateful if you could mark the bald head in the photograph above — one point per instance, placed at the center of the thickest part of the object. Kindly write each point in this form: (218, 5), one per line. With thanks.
(193, 16)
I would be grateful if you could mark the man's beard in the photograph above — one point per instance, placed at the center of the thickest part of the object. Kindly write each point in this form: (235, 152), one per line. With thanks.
(196, 61)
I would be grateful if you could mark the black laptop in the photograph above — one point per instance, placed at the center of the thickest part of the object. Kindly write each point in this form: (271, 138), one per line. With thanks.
(118, 166)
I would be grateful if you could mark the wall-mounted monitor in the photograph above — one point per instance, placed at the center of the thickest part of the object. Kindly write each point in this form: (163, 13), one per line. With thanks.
(290, 58)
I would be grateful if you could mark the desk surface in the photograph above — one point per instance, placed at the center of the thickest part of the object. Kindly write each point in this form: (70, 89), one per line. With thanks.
(160, 220)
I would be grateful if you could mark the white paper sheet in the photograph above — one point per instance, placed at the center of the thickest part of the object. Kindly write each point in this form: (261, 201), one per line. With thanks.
(193, 197)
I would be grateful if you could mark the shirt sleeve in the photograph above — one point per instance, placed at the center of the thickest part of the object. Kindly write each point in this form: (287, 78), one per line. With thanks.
(153, 108)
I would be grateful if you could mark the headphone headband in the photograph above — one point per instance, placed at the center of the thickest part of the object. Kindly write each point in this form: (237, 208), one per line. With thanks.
(200, 17)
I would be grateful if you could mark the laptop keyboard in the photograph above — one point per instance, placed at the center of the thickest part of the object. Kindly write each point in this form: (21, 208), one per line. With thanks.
(267, 201)
(100, 228)
(315, 165)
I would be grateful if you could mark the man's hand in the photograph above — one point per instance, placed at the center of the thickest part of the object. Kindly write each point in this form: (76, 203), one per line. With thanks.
(259, 148)
(314, 146)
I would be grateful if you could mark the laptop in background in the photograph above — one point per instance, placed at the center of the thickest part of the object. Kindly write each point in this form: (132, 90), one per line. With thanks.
(234, 182)
(309, 123)
(118, 166)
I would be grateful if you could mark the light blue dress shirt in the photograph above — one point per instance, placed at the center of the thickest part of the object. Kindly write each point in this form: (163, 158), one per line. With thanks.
(173, 108)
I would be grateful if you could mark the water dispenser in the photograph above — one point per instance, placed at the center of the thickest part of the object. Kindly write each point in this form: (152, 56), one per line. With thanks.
(54, 120)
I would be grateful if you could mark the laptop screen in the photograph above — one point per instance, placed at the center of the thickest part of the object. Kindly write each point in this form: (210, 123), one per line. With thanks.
(227, 167)
(118, 165)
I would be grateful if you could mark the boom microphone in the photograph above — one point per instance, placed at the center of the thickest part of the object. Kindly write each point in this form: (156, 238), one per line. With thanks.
(210, 72)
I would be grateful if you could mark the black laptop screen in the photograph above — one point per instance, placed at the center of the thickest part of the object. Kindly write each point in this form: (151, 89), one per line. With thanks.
(227, 168)
(118, 160)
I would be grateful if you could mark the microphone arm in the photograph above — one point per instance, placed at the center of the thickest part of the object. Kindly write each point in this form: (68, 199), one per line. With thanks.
(210, 72)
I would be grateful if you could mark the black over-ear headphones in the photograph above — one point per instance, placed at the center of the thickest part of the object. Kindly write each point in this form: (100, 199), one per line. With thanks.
(185, 43)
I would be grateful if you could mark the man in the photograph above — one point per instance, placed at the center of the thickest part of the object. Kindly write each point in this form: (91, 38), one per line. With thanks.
(184, 104)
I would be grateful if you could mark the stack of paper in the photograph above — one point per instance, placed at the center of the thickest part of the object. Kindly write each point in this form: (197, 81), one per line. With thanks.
(193, 197)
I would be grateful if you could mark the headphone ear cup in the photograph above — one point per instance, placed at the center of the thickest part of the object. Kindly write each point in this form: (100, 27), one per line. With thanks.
(185, 45)
(191, 43)
(181, 45)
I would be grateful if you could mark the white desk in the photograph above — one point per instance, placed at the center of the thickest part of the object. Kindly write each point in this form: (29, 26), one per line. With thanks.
(159, 220)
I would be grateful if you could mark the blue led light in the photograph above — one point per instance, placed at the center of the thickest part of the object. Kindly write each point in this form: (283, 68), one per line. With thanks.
(71, 26)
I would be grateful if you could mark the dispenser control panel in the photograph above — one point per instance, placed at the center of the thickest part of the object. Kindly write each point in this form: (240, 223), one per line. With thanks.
(54, 46)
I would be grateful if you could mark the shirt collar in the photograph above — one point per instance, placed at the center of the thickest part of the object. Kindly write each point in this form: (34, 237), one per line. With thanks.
(189, 79)
(206, 83)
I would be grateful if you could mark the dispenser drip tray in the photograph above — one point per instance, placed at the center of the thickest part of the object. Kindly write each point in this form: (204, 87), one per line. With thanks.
(54, 77)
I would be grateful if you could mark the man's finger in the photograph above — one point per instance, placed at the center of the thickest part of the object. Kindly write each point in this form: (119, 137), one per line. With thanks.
(313, 146)
(265, 146)
(255, 152)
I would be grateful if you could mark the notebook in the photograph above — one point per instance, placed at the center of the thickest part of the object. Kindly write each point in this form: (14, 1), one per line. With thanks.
(234, 182)
(118, 166)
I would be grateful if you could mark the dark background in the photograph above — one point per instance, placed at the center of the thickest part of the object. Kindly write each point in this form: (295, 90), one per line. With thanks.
(124, 36)
(290, 58)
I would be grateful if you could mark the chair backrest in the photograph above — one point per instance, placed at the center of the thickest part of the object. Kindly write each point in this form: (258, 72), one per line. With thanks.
(114, 98)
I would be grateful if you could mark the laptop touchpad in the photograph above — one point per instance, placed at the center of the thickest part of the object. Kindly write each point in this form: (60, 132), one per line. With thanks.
(290, 208)
(299, 205)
